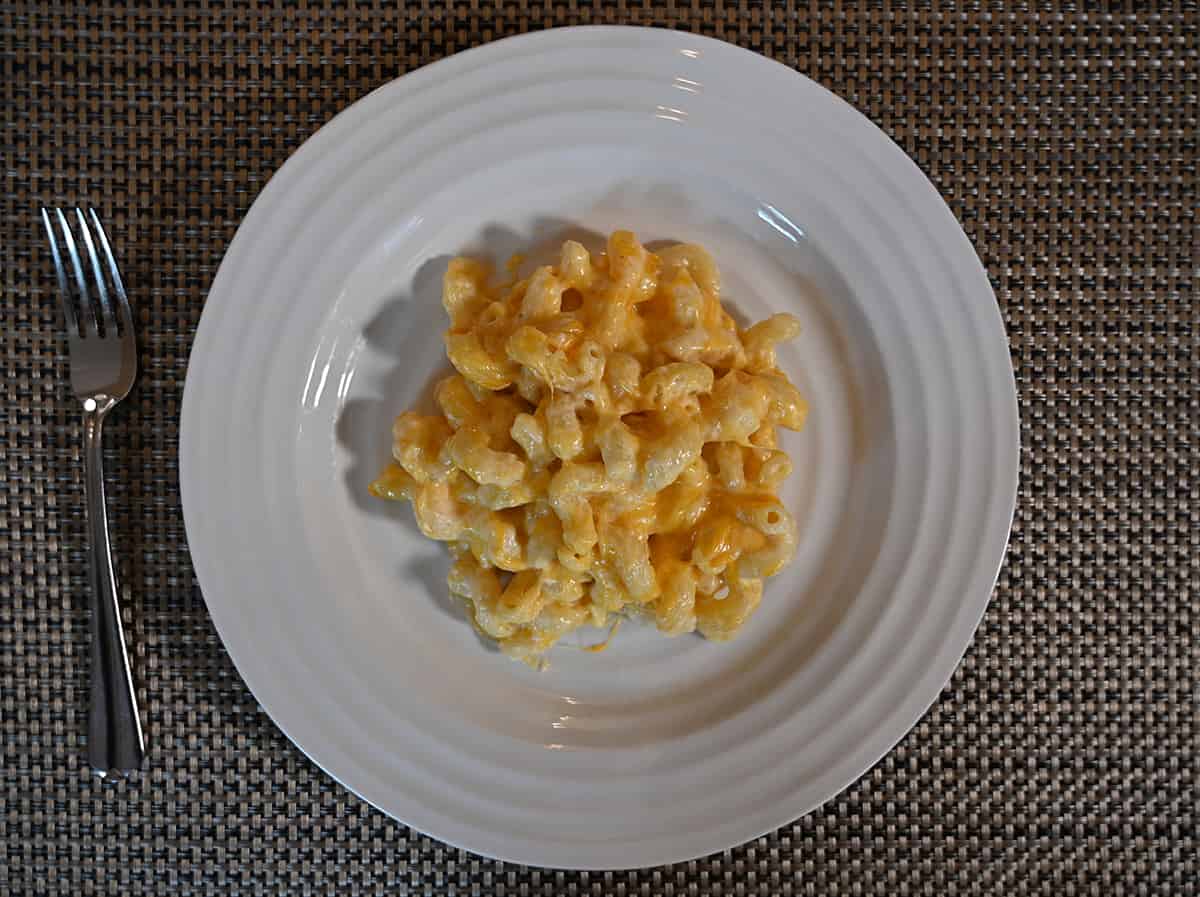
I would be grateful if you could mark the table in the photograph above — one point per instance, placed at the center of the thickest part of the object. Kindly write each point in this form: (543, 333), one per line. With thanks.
(1061, 758)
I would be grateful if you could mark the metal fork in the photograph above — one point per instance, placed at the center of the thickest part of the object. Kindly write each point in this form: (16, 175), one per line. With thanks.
(103, 366)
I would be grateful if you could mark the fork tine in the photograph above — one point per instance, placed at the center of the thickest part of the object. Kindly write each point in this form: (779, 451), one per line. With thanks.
(85, 298)
(105, 305)
(125, 316)
(64, 288)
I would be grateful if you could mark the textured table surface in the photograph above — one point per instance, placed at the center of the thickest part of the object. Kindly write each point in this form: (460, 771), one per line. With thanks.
(1060, 760)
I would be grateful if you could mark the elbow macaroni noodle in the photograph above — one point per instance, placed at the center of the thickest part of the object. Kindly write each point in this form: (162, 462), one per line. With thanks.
(606, 446)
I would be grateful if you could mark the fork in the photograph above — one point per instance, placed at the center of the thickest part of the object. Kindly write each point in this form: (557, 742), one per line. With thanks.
(103, 355)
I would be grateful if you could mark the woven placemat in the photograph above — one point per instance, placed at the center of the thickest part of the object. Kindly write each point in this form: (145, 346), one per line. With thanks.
(1060, 760)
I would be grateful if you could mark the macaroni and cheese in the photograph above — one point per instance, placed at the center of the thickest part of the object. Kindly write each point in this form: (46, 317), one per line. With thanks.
(606, 446)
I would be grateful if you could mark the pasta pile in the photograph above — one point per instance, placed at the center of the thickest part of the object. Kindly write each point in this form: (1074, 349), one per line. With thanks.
(606, 446)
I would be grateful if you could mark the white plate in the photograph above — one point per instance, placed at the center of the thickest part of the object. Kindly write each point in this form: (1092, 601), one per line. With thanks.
(324, 322)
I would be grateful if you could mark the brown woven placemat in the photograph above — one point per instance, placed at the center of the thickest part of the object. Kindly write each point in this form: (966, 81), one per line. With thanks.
(1060, 760)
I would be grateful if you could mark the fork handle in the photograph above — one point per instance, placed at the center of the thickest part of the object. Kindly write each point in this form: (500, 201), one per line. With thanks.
(114, 727)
